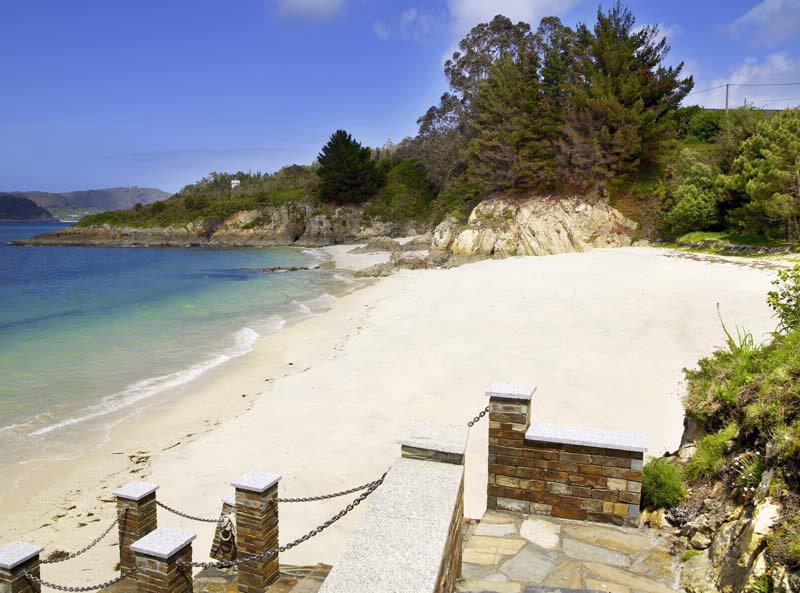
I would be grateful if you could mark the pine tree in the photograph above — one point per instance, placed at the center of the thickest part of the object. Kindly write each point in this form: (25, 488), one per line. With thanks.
(620, 120)
(510, 150)
(347, 171)
(768, 170)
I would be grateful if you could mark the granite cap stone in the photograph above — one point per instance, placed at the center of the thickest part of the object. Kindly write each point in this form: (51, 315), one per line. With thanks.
(256, 481)
(448, 438)
(16, 553)
(163, 542)
(520, 391)
(587, 437)
(229, 499)
(135, 490)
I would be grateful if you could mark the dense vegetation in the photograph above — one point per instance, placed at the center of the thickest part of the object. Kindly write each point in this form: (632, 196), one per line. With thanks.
(746, 397)
(14, 207)
(346, 171)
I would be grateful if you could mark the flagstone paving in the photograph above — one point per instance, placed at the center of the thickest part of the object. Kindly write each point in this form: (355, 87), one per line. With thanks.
(507, 553)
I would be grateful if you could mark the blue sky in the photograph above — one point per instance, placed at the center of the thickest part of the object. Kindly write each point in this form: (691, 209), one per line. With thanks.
(160, 92)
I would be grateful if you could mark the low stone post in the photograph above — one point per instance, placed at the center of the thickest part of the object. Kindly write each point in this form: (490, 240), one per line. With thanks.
(16, 559)
(157, 556)
(256, 529)
(136, 509)
(509, 418)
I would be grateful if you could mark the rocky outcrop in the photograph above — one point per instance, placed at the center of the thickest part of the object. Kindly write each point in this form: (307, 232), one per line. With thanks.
(505, 226)
(733, 541)
(291, 224)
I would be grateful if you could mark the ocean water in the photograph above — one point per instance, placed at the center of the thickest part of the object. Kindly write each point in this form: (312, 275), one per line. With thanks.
(87, 332)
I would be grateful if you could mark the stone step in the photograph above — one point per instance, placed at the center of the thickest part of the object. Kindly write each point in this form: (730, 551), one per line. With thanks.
(539, 589)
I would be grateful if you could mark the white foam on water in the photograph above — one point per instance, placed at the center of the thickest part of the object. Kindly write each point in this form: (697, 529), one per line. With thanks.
(317, 254)
(324, 301)
(343, 278)
(243, 343)
(303, 308)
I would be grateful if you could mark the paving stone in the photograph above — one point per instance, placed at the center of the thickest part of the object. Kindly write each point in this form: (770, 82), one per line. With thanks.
(627, 541)
(566, 573)
(657, 564)
(609, 587)
(495, 529)
(490, 550)
(478, 572)
(488, 587)
(531, 565)
(542, 533)
(583, 551)
(495, 517)
(603, 572)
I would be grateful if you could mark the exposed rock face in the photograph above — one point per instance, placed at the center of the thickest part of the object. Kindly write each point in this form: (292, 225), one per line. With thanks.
(541, 225)
(291, 224)
(734, 559)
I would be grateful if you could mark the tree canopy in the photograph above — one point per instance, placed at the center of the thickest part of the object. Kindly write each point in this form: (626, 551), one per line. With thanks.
(346, 170)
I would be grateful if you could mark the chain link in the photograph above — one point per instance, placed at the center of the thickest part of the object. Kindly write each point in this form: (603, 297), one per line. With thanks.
(327, 496)
(88, 547)
(108, 583)
(185, 516)
(317, 530)
(477, 418)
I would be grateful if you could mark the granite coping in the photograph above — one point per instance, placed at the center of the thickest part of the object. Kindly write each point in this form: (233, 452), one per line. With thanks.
(448, 438)
(163, 542)
(256, 481)
(229, 499)
(135, 490)
(587, 437)
(16, 553)
(520, 391)
(402, 538)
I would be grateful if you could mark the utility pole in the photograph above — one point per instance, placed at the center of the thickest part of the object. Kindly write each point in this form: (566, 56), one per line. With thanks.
(727, 88)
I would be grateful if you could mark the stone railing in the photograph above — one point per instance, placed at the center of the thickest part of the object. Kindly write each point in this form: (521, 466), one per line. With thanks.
(410, 537)
(562, 471)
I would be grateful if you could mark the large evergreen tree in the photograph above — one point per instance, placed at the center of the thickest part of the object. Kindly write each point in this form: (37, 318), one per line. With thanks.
(510, 149)
(768, 170)
(347, 171)
(619, 120)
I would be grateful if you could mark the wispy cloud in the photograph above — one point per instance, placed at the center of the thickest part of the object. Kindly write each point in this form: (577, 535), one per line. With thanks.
(768, 22)
(668, 31)
(309, 9)
(773, 72)
(410, 24)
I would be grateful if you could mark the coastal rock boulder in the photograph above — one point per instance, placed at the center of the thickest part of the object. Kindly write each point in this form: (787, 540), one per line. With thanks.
(506, 226)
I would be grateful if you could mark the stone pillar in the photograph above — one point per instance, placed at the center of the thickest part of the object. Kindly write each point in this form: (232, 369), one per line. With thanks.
(509, 418)
(156, 557)
(138, 502)
(16, 559)
(256, 529)
(222, 549)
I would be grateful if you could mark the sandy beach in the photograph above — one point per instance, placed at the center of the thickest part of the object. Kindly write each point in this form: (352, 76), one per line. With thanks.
(605, 336)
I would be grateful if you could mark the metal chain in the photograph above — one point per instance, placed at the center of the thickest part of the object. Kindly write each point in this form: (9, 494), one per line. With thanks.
(477, 418)
(326, 496)
(298, 541)
(185, 516)
(108, 583)
(88, 547)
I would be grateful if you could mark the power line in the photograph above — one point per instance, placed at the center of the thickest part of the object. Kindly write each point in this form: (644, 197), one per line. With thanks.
(769, 84)
(706, 90)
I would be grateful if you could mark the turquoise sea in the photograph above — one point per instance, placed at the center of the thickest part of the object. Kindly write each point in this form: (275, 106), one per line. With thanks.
(87, 332)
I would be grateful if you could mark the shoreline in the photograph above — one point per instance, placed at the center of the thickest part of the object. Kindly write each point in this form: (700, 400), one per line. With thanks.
(324, 401)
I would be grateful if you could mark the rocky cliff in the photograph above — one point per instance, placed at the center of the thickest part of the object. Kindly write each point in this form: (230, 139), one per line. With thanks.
(535, 225)
(291, 224)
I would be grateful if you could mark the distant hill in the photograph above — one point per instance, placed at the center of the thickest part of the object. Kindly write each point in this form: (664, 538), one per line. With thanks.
(14, 207)
(75, 204)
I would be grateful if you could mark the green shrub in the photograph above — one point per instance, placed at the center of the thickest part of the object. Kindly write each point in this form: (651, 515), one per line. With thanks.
(786, 300)
(661, 484)
(708, 458)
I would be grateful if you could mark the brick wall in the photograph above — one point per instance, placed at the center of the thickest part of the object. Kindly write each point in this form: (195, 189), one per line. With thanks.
(558, 479)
